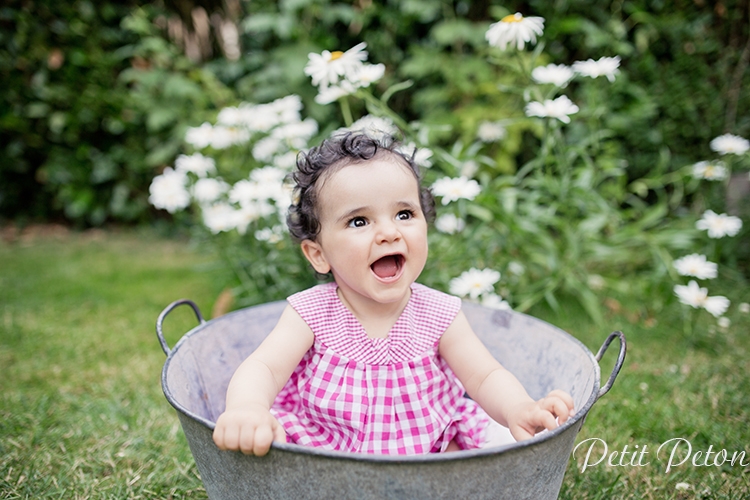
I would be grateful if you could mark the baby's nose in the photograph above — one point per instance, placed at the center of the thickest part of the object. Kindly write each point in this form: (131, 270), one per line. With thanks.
(387, 232)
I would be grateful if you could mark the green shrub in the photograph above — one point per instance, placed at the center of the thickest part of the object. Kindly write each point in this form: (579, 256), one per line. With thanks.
(573, 219)
(95, 102)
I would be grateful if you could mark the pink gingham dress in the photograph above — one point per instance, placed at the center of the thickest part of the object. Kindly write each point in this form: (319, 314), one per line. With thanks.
(392, 395)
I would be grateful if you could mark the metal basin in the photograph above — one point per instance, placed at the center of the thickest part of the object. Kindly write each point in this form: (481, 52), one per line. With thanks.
(543, 357)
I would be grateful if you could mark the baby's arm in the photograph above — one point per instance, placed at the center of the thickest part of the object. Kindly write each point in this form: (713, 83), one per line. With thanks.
(247, 424)
(496, 390)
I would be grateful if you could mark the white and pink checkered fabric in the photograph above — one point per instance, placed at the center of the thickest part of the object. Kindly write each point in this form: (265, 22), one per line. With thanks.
(392, 395)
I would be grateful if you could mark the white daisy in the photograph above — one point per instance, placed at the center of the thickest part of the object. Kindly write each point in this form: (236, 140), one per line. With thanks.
(209, 190)
(556, 74)
(232, 116)
(696, 265)
(730, 144)
(516, 268)
(197, 163)
(491, 132)
(717, 305)
(245, 216)
(605, 66)
(285, 161)
(261, 117)
(332, 93)
(327, 68)
(514, 29)
(200, 137)
(449, 224)
(682, 486)
(719, 225)
(474, 282)
(287, 107)
(283, 198)
(374, 126)
(367, 74)
(710, 170)
(469, 168)
(724, 322)
(250, 213)
(246, 192)
(697, 297)
(223, 137)
(168, 191)
(421, 155)
(561, 108)
(451, 189)
(220, 217)
(270, 234)
(494, 301)
(297, 132)
(265, 149)
(691, 294)
(268, 175)
(422, 158)
(744, 308)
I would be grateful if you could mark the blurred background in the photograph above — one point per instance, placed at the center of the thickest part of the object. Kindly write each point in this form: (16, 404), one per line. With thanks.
(96, 96)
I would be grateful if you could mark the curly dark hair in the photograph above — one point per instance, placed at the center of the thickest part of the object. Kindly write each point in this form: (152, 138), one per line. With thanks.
(334, 153)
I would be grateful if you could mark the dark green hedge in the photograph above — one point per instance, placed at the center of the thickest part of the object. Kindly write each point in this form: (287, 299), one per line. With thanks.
(94, 103)
(95, 99)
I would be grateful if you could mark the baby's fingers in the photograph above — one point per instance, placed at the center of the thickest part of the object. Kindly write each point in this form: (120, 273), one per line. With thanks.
(218, 436)
(544, 418)
(519, 433)
(227, 437)
(566, 398)
(279, 434)
(557, 408)
(261, 442)
(560, 404)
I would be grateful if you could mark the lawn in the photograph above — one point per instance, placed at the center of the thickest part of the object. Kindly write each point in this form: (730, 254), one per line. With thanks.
(82, 414)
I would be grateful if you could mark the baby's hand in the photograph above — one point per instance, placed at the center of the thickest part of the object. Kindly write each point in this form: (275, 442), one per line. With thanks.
(250, 431)
(530, 418)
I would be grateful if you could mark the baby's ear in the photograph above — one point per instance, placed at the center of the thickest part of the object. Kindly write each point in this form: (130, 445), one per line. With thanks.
(314, 255)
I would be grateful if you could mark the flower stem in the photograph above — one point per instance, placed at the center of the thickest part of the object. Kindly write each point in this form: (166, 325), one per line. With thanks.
(523, 68)
(385, 110)
(346, 111)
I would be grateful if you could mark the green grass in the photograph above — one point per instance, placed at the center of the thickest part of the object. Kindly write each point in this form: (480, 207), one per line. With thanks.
(82, 414)
(81, 409)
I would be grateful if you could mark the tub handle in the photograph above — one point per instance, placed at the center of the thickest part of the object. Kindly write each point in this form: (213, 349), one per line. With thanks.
(618, 364)
(167, 310)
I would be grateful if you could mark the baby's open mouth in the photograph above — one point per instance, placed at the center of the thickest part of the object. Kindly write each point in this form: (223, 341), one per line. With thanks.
(388, 266)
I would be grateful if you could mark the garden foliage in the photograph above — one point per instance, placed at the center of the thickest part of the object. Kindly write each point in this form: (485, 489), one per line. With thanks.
(538, 197)
(94, 102)
(95, 95)
(97, 101)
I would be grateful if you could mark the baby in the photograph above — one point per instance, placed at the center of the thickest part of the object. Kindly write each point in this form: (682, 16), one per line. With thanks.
(372, 362)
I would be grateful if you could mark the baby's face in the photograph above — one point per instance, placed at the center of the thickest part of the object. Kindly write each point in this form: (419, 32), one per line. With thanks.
(373, 233)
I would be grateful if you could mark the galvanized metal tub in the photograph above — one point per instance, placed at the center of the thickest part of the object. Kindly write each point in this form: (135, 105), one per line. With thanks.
(543, 357)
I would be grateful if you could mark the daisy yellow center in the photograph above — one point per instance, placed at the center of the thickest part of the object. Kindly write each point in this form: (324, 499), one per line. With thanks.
(336, 54)
(513, 18)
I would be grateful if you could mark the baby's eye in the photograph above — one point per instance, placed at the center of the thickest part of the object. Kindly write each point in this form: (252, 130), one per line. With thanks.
(405, 215)
(358, 222)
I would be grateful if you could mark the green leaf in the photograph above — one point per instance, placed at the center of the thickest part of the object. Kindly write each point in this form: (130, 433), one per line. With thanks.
(590, 303)
(479, 212)
(37, 109)
(395, 88)
(160, 118)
